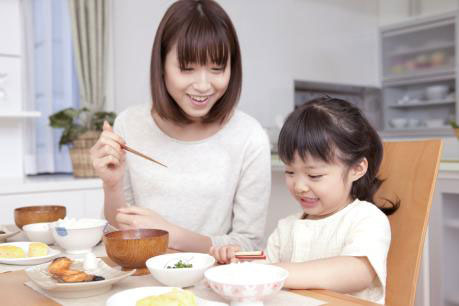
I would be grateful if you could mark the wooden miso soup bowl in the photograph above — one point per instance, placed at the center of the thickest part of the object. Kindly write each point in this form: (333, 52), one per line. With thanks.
(36, 214)
(131, 248)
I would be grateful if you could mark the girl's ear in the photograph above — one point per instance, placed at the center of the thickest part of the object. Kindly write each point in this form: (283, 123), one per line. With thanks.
(359, 170)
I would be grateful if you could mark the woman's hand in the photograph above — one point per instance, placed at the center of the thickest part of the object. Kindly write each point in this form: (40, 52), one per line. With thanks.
(108, 158)
(225, 254)
(134, 217)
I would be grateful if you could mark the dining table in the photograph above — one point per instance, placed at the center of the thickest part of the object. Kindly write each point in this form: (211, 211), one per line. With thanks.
(17, 290)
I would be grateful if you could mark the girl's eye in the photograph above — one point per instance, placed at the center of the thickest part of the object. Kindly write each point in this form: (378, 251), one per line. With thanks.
(218, 69)
(287, 172)
(315, 176)
(186, 69)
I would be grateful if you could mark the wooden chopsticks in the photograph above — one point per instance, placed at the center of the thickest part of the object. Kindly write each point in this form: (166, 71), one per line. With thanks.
(125, 147)
(250, 255)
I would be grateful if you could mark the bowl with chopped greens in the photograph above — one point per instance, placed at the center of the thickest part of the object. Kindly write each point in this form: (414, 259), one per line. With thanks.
(179, 269)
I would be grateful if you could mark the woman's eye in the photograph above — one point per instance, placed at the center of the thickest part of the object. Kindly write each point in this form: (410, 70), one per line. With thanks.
(288, 172)
(218, 69)
(315, 176)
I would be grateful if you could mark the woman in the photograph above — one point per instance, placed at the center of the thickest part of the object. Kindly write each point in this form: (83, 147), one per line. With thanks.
(216, 186)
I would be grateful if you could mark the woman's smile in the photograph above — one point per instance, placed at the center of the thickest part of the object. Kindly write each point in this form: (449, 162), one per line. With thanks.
(200, 101)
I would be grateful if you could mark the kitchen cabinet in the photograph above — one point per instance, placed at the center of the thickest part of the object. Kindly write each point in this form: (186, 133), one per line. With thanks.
(15, 114)
(444, 240)
(418, 67)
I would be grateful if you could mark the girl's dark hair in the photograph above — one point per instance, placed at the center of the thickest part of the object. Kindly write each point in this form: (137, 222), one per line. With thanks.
(327, 128)
(202, 31)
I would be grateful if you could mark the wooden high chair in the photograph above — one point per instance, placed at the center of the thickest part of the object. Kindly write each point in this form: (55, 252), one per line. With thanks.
(410, 170)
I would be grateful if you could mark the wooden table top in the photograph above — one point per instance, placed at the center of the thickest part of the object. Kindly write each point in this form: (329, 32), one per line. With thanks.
(15, 293)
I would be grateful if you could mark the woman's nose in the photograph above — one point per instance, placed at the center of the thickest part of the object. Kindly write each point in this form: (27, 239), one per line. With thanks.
(202, 82)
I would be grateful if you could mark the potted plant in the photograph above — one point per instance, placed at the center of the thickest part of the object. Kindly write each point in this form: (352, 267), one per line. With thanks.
(82, 128)
(455, 127)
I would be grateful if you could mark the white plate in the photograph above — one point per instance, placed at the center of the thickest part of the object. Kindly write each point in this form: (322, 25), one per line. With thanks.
(40, 276)
(131, 296)
(9, 230)
(28, 261)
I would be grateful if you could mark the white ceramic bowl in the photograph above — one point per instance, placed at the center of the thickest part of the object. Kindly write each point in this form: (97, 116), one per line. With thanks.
(246, 283)
(436, 92)
(179, 277)
(434, 123)
(78, 236)
(399, 123)
(40, 232)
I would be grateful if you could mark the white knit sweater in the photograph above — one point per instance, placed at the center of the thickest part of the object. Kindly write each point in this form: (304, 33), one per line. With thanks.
(218, 186)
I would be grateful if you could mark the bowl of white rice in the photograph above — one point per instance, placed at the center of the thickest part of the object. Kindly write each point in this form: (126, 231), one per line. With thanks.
(78, 236)
(246, 283)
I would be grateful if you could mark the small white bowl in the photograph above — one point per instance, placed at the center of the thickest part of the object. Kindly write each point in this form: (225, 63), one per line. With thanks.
(399, 123)
(246, 283)
(179, 277)
(78, 236)
(437, 92)
(435, 123)
(39, 232)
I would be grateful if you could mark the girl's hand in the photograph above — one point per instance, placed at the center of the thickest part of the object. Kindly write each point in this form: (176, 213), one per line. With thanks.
(108, 158)
(134, 217)
(225, 254)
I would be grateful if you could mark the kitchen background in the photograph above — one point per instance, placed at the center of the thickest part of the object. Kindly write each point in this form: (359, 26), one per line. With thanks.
(393, 58)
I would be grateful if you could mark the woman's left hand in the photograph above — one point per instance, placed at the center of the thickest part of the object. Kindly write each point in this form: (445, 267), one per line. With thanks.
(134, 217)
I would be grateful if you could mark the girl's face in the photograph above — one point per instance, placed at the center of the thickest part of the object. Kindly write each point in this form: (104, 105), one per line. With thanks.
(321, 188)
(196, 88)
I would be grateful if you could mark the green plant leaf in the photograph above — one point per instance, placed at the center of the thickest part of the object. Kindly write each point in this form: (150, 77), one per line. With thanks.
(98, 118)
(77, 121)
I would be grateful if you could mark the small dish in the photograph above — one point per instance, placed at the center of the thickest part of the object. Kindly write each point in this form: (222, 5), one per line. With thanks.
(28, 261)
(40, 276)
(161, 267)
(9, 230)
(39, 232)
(131, 296)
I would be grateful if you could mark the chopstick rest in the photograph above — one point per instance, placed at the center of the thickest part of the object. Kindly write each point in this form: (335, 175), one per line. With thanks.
(250, 255)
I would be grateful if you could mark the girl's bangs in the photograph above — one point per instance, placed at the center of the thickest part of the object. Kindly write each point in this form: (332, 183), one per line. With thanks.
(200, 42)
(307, 136)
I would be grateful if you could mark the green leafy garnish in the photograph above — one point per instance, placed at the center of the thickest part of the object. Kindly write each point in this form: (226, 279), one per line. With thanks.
(180, 264)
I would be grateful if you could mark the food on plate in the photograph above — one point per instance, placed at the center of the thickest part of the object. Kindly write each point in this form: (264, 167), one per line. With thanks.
(176, 297)
(11, 251)
(180, 264)
(38, 249)
(60, 270)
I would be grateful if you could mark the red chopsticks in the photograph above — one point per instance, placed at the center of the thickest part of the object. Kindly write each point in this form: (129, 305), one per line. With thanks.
(252, 255)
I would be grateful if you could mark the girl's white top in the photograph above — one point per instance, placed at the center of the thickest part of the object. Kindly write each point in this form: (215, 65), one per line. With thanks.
(360, 229)
(218, 186)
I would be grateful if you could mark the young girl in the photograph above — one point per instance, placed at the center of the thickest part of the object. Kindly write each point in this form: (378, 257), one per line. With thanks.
(216, 186)
(340, 239)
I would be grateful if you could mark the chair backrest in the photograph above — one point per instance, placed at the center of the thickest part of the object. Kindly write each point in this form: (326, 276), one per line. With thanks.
(410, 170)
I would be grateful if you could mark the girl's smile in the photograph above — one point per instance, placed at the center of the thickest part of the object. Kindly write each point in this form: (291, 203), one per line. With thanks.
(308, 202)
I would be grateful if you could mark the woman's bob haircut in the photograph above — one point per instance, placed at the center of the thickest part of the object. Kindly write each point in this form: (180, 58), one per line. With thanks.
(202, 31)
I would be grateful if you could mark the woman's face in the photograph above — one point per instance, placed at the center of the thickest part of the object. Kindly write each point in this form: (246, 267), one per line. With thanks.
(196, 88)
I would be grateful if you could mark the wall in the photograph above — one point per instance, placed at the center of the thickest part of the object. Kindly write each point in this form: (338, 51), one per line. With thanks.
(280, 42)
(336, 41)
(391, 11)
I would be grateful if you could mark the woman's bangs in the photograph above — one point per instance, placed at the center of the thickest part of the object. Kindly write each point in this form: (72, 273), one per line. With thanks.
(202, 42)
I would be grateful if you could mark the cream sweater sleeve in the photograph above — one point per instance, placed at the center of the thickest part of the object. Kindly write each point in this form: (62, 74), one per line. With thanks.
(252, 196)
